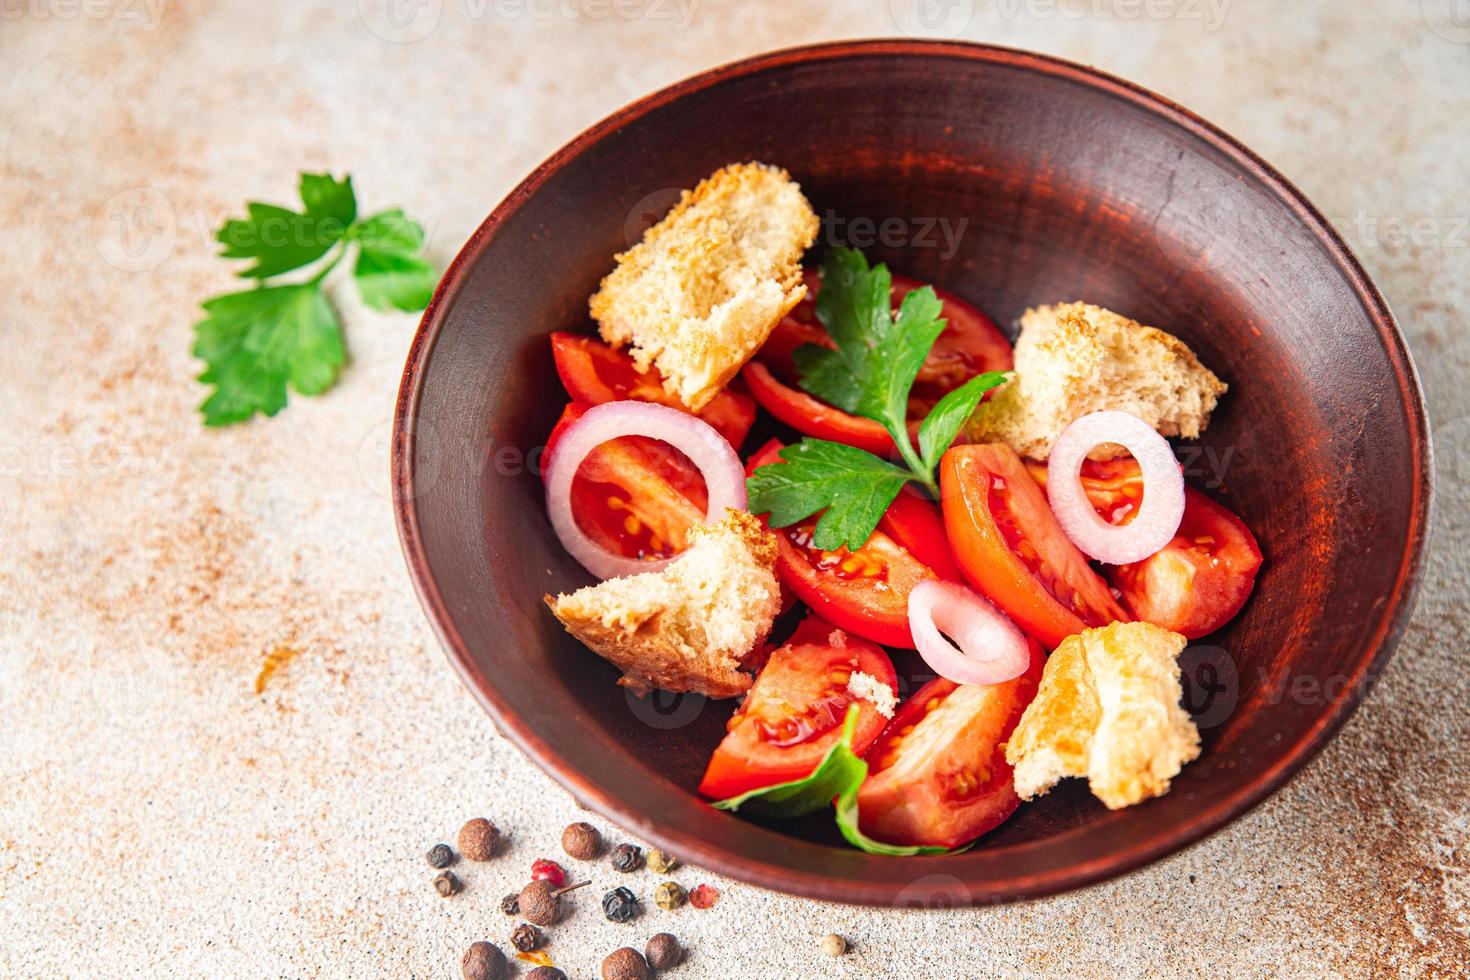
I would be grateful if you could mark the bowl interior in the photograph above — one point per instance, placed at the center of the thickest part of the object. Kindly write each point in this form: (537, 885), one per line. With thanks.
(1010, 180)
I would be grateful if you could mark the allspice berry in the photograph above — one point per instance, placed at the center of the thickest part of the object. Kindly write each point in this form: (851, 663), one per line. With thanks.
(478, 839)
(539, 903)
(663, 951)
(546, 973)
(833, 944)
(625, 964)
(581, 841)
(484, 961)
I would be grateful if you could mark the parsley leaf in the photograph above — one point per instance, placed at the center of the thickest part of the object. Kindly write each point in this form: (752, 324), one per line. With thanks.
(389, 272)
(950, 414)
(870, 372)
(836, 780)
(258, 343)
(852, 485)
(279, 239)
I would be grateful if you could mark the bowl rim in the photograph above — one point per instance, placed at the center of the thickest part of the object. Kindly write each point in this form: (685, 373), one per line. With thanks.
(1387, 630)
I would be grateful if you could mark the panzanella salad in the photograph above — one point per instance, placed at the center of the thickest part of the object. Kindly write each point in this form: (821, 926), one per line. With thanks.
(1012, 515)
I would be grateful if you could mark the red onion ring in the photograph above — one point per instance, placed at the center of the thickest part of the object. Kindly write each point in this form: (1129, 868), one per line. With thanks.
(724, 477)
(991, 649)
(1163, 488)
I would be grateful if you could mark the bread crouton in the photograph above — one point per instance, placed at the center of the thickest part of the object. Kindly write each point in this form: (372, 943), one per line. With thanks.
(706, 286)
(685, 627)
(1108, 709)
(1076, 359)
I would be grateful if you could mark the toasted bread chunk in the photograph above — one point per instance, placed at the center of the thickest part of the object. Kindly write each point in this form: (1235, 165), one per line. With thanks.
(685, 628)
(1108, 709)
(1076, 359)
(707, 284)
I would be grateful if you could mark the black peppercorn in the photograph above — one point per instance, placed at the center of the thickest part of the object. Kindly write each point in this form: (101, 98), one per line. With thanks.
(441, 856)
(446, 883)
(527, 938)
(483, 961)
(546, 973)
(511, 905)
(624, 964)
(620, 905)
(627, 857)
(663, 951)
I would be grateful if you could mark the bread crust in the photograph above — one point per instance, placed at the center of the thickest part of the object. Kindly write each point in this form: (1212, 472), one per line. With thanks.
(1075, 359)
(699, 295)
(1107, 709)
(684, 628)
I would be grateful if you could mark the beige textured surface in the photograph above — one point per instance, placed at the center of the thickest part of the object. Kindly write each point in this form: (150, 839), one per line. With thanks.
(157, 817)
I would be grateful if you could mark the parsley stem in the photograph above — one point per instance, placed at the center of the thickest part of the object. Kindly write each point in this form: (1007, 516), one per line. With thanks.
(340, 248)
(911, 458)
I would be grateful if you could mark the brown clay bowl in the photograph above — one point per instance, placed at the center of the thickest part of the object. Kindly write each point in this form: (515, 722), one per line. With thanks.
(1070, 184)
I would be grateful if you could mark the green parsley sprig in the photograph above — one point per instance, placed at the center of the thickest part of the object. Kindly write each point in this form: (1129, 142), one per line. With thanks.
(834, 782)
(878, 355)
(258, 341)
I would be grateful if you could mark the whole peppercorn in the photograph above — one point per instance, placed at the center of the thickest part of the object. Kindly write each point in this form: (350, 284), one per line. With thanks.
(581, 841)
(660, 863)
(527, 938)
(704, 896)
(441, 856)
(511, 905)
(627, 857)
(620, 905)
(624, 964)
(669, 895)
(478, 838)
(833, 944)
(663, 952)
(446, 883)
(544, 870)
(484, 961)
(546, 973)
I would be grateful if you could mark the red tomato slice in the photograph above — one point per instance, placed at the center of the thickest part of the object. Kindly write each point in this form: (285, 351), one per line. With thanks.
(1011, 548)
(1200, 579)
(594, 373)
(865, 592)
(970, 344)
(635, 497)
(938, 775)
(917, 526)
(795, 710)
(814, 418)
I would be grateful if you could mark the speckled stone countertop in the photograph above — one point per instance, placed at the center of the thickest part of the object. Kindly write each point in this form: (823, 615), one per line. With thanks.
(160, 817)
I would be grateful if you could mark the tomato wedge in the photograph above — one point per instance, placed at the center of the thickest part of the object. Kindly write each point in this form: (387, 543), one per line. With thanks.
(865, 592)
(938, 775)
(1011, 548)
(916, 525)
(635, 497)
(593, 372)
(795, 711)
(1200, 579)
(970, 344)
